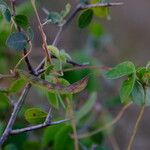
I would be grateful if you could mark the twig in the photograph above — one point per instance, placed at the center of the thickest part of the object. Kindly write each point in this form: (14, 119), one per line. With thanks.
(135, 128)
(114, 121)
(73, 14)
(88, 6)
(14, 114)
(44, 39)
(71, 114)
(30, 68)
(18, 131)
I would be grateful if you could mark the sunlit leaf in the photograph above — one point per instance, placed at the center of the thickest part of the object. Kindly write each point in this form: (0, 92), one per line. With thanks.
(103, 12)
(35, 115)
(53, 99)
(17, 85)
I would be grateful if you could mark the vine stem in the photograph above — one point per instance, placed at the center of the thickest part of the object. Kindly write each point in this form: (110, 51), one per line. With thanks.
(114, 121)
(139, 118)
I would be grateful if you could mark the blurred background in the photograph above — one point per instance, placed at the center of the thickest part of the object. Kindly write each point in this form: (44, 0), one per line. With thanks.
(126, 36)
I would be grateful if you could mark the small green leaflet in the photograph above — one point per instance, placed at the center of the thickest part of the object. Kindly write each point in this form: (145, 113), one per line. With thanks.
(21, 21)
(85, 18)
(5, 10)
(53, 99)
(126, 88)
(86, 107)
(103, 12)
(35, 115)
(4, 101)
(60, 54)
(123, 69)
(66, 11)
(58, 18)
(17, 41)
(17, 85)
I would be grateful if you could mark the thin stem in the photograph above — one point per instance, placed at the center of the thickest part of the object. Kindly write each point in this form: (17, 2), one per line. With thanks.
(44, 39)
(73, 14)
(139, 118)
(70, 113)
(114, 121)
(88, 6)
(14, 114)
(36, 127)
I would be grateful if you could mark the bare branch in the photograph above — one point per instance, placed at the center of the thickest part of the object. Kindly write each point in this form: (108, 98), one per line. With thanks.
(43, 125)
(14, 114)
(74, 13)
(100, 5)
(44, 40)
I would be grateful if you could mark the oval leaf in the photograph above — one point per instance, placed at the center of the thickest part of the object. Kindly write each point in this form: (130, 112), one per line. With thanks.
(123, 69)
(17, 41)
(22, 21)
(126, 88)
(17, 85)
(35, 116)
(85, 18)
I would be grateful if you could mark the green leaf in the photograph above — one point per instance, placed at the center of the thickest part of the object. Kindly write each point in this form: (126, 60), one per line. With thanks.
(63, 137)
(49, 134)
(54, 50)
(96, 29)
(4, 101)
(54, 17)
(102, 12)
(85, 18)
(22, 21)
(86, 108)
(17, 41)
(65, 12)
(123, 69)
(64, 56)
(10, 147)
(126, 88)
(30, 33)
(138, 94)
(35, 115)
(31, 145)
(17, 85)
(53, 99)
(5, 10)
